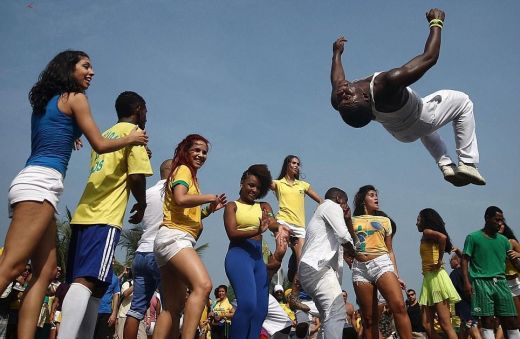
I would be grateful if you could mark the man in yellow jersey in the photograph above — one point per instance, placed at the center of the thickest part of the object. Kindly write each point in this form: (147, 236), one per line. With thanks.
(97, 222)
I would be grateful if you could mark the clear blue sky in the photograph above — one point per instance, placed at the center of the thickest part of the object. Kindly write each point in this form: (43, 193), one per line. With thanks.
(253, 77)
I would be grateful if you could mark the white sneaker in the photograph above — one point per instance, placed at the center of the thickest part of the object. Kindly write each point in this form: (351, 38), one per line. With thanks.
(470, 173)
(450, 175)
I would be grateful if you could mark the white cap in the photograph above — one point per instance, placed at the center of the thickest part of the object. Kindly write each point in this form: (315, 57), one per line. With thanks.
(277, 288)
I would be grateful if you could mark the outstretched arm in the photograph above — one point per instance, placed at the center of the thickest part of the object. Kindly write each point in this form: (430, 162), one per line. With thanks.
(414, 69)
(337, 73)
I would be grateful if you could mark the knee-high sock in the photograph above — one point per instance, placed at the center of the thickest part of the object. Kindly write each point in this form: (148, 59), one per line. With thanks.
(488, 333)
(88, 325)
(73, 310)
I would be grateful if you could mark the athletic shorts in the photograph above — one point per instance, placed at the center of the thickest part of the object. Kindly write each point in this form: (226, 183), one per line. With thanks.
(297, 231)
(491, 296)
(168, 242)
(514, 285)
(91, 251)
(370, 271)
(36, 183)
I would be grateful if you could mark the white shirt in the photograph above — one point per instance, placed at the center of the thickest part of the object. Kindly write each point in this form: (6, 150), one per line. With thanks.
(153, 216)
(325, 234)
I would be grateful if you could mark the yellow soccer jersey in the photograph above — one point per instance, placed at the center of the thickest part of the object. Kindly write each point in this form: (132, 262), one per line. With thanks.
(291, 199)
(371, 232)
(185, 219)
(106, 194)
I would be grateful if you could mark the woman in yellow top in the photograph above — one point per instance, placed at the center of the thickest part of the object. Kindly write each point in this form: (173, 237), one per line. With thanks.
(374, 266)
(221, 312)
(180, 266)
(290, 192)
(437, 291)
(512, 273)
(245, 220)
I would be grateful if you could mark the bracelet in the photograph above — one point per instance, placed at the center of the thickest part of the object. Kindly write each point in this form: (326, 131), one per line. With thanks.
(436, 25)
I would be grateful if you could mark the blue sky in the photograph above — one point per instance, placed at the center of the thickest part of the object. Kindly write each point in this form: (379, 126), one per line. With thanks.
(253, 77)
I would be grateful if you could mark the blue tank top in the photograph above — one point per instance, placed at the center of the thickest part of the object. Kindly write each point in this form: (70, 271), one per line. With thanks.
(52, 137)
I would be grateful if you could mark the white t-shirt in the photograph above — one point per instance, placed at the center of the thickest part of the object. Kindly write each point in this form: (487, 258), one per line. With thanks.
(326, 232)
(153, 216)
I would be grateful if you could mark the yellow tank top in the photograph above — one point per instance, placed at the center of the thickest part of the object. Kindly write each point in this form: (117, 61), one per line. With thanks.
(248, 216)
(429, 255)
(510, 269)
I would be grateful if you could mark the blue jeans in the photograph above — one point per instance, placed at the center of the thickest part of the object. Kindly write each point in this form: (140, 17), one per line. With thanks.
(146, 280)
(247, 273)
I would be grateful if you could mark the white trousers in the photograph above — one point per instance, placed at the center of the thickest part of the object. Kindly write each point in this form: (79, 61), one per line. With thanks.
(439, 109)
(324, 288)
(276, 319)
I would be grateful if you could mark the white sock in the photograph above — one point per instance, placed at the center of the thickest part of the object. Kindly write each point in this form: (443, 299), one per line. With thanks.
(487, 333)
(513, 334)
(88, 325)
(73, 310)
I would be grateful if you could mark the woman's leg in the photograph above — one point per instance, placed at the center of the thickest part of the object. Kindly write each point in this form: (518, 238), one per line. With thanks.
(444, 316)
(366, 294)
(173, 292)
(30, 221)
(44, 270)
(430, 310)
(240, 271)
(262, 297)
(193, 274)
(389, 287)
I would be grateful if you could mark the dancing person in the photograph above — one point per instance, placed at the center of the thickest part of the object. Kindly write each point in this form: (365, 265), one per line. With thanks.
(290, 192)
(179, 264)
(484, 267)
(374, 266)
(145, 269)
(245, 219)
(98, 219)
(60, 114)
(468, 323)
(220, 314)
(320, 268)
(437, 291)
(386, 98)
(512, 271)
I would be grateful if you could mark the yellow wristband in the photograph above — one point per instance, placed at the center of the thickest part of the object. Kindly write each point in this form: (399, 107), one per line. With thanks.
(436, 25)
(437, 21)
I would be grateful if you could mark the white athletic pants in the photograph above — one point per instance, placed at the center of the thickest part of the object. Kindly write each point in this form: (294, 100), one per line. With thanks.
(439, 109)
(324, 288)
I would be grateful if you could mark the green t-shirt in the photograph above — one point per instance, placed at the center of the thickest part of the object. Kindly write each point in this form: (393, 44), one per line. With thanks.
(487, 255)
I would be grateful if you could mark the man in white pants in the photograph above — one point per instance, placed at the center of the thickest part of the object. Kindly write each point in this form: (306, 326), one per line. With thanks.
(320, 269)
(385, 97)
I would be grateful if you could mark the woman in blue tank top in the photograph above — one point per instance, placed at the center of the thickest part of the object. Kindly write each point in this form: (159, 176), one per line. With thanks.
(245, 220)
(60, 115)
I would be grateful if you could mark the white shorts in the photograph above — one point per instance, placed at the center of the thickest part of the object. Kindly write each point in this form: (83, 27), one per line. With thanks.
(168, 242)
(297, 231)
(371, 270)
(514, 285)
(36, 183)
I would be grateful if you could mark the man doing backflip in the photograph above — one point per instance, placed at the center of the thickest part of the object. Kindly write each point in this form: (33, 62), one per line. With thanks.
(386, 98)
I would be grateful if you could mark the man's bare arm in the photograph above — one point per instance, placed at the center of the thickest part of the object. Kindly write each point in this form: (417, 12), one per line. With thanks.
(337, 73)
(414, 69)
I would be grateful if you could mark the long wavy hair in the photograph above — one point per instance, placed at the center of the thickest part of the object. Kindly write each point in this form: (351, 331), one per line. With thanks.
(263, 175)
(432, 220)
(286, 162)
(57, 78)
(359, 199)
(181, 155)
(508, 232)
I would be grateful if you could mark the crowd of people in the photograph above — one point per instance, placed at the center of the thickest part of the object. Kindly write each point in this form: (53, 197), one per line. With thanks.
(166, 292)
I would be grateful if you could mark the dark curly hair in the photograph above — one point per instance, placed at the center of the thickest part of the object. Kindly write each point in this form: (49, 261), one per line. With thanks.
(359, 199)
(57, 78)
(432, 220)
(264, 176)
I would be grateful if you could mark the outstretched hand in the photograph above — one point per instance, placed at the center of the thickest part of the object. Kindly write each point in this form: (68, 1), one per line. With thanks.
(339, 45)
(265, 220)
(138, 137)
(221, 201)
(435, 13)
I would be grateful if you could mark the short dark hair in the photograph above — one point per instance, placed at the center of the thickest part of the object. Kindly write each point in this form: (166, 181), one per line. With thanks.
(356, 115)
(127, 104)
(491, 211)
(410, 290)
(333, 193)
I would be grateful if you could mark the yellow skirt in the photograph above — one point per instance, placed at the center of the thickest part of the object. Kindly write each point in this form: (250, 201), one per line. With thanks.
(437, 287)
